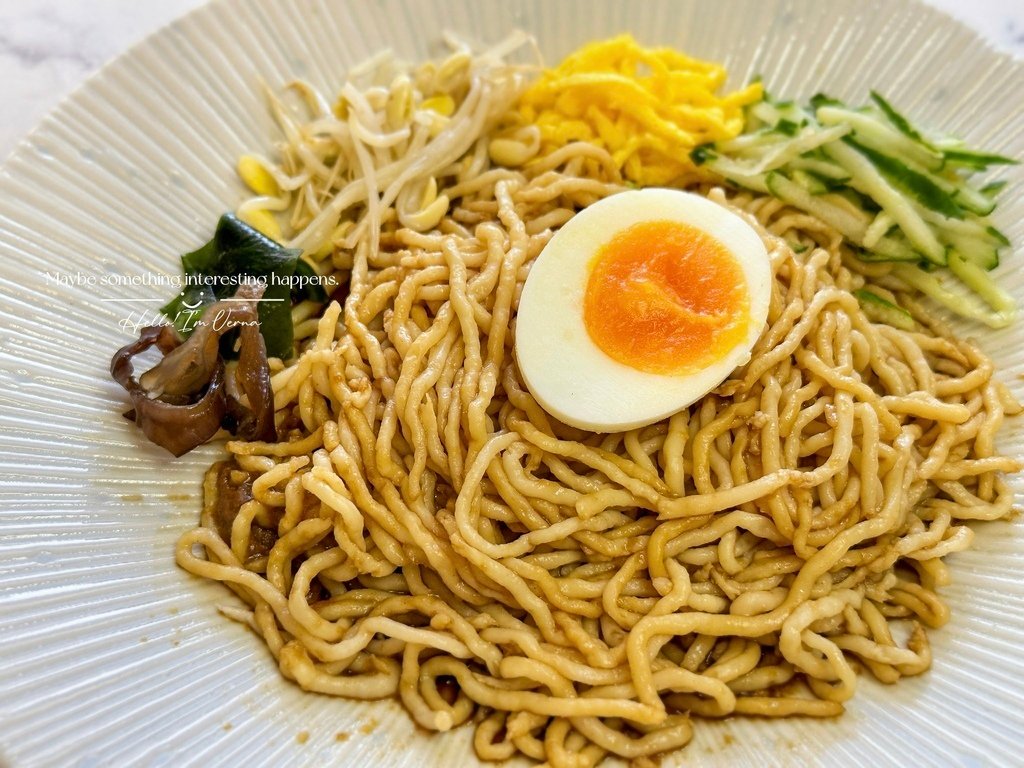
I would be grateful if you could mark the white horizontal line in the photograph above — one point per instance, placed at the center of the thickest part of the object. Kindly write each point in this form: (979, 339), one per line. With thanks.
(205, 305)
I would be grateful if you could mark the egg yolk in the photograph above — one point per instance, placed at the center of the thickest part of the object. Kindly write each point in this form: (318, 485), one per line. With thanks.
(665, 297)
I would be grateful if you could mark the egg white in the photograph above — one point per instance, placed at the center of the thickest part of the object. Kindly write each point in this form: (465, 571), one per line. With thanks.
(567, 373)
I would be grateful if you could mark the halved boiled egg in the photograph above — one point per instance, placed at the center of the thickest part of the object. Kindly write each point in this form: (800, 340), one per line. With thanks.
(639, 305)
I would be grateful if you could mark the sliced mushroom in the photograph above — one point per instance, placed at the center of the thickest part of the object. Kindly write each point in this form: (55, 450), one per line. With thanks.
(182, 401)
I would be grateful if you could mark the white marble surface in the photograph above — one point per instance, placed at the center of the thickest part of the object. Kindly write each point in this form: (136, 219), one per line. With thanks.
(47, 47)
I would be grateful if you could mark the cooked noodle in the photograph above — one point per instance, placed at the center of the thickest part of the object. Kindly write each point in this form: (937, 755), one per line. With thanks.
(425, 530)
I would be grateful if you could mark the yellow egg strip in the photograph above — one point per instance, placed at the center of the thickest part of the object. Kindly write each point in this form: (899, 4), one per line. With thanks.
(649, 107)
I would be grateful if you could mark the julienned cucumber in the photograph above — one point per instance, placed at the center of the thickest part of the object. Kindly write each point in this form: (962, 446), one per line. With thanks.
(845, 219)
(892, 191)
(867, 178)
(883, 311)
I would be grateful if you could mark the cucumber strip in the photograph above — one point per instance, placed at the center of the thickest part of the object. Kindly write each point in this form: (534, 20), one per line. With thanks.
(872, 132)
(820, 100)
(981, 282)
(883, 223)
(969, 227)
(907, 255)
(768, 156)
(805, 142)
(839, 214)
(727, 166)
(881, 311)
(996, 235)
(918, 185)
(753, 183)
(734, 172)
(809, 181)
(787, 127)
(766, 112)
(792, 112)
(993, 189)
(977, 251)
(901, 124)
(973, 200)
(964, 305)
(821, 168)
(962, 194)
(865, 178)
(748, 142)
(754, 154)
(844, 221)
(852, 198)
(701, 154)
(978, 161)
(958, 193)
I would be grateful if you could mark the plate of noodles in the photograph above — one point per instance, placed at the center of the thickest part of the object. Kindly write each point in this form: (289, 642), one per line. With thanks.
(568, 383)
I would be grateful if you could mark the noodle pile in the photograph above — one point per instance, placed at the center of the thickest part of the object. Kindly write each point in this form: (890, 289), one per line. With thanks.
(425, 530)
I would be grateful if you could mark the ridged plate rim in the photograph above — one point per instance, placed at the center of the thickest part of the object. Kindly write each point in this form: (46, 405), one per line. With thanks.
(110, 655)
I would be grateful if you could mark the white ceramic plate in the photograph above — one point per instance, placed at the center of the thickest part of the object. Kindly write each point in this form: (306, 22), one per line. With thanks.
(110, 655)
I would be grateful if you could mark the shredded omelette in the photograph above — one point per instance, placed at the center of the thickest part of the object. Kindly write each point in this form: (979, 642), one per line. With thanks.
(649, 107)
